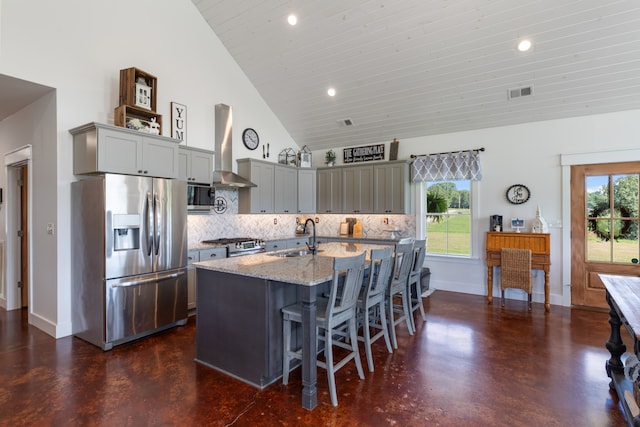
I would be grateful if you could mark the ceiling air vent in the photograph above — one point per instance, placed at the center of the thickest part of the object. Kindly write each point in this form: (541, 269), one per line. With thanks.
(345, 122)
(520, 92)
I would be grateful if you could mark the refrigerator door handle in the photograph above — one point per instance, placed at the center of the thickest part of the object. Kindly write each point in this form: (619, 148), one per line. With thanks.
(153, 279)
(158, 219)
(148, 224)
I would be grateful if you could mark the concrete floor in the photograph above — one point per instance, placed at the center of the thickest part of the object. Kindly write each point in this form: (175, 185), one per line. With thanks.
(470, 364)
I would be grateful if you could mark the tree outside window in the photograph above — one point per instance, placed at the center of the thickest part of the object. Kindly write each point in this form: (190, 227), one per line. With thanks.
(449, 218)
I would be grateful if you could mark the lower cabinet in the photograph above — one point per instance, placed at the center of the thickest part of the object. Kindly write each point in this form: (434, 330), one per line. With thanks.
(196, 255)
(276, 245)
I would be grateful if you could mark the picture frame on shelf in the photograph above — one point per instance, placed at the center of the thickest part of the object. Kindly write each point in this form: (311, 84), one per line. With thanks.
(179, 122)
(517, 224)
(304, 157)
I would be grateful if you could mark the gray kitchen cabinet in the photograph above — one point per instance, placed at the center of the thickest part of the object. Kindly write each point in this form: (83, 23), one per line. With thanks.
(100, 148)
(195, 165)
(392, 188)
(306, 191)
(357, 194)
(295, 243)
(329, 190)
(286, 189)
(192, 256)
(195, 255)
(259, 199)
(275, 245)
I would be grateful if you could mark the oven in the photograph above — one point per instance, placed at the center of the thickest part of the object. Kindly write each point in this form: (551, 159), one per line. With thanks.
(238, 246)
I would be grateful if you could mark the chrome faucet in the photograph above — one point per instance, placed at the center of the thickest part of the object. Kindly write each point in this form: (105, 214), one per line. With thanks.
(314, 247)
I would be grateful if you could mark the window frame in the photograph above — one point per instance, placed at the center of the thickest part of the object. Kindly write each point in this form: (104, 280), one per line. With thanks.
(421, 220)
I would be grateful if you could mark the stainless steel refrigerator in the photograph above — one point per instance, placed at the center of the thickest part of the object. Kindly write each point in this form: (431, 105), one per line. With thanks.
(129, 257)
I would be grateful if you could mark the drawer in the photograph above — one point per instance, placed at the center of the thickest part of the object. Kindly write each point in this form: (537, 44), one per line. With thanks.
(193, 256)
(275, 245)
(213, 253)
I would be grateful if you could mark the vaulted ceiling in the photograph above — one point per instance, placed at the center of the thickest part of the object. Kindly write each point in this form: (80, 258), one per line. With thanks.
(410, 68)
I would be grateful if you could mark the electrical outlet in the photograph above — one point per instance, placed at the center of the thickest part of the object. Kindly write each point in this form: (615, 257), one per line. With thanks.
(50, 229)
(297, 220)
(275, 220)
(385, 221)
(317, 220)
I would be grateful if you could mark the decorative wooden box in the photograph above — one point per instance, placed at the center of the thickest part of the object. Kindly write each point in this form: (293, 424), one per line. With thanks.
(124, 114)
(138, 89)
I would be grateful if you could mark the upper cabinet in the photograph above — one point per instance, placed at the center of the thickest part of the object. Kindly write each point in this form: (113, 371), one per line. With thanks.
(382, 187)
(99, 148)
(329, 190)
(195, 165)
(306, 190)
(259, 199)
(357, 195)
(286, 189)
(392, 188)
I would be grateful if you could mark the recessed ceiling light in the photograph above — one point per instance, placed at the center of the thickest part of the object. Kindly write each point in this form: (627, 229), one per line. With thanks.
(524, 45)
(331, 92)
(292, 19)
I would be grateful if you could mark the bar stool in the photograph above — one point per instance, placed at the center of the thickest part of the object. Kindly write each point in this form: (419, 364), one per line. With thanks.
(402, 264)
(413, 284)
(339, 310)
(371, 303)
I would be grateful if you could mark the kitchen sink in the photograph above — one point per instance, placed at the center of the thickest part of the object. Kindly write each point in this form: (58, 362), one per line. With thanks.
(292, 254)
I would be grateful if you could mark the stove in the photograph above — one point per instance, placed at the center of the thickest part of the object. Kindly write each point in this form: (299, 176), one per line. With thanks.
(237, 246)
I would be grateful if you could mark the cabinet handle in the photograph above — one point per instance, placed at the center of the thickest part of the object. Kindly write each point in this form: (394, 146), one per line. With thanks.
(190, 258)
(139, 170)
(213, 255)
(146, 172)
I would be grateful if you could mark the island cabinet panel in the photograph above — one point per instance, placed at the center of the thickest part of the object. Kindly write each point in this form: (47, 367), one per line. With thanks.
(99, 148)
(285, 189)
(259, 199)
(307, 191)
(392, 188)
(329, 190)
(357, 196)
(196, 165)
(240, 325)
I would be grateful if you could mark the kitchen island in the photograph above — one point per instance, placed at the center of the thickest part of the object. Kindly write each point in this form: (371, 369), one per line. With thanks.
(239, 322)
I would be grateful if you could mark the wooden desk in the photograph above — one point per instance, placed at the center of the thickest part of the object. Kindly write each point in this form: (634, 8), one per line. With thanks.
(539, 243)
(623, 297)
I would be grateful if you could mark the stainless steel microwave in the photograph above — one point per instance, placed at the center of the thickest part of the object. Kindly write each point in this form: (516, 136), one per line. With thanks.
(200, 197)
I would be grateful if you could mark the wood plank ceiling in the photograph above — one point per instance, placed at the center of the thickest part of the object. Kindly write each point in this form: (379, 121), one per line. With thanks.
(410, 68)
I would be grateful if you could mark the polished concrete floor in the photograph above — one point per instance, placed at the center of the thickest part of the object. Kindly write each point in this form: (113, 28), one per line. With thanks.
(470, 364)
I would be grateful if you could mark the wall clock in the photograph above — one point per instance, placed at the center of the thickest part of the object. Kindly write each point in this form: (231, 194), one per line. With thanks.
(518, 194)
(250, 139)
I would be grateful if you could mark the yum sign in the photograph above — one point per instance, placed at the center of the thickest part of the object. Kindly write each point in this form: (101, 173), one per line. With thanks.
(179, 122)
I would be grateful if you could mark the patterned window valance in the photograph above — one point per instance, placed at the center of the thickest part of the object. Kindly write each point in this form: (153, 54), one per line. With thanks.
(447, 166)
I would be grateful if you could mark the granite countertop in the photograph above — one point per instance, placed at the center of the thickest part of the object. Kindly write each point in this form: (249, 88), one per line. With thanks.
(303, 270)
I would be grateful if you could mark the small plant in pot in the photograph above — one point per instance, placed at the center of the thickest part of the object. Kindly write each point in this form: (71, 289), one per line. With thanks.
(330, 158)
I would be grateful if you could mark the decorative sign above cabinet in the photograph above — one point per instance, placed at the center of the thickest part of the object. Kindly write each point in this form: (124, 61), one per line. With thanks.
(363, 154)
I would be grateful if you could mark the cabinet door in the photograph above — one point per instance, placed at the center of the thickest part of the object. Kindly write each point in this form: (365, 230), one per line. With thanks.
(357, 189)
(391, 188)
(259, 199)
(119, 152)
(329, 190)
(193, 256)
(202, 167)
(306, 191)
(184, 166)
(285, 189)
(159, 158)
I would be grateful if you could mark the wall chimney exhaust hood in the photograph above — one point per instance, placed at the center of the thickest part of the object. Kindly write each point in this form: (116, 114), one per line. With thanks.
(223, 177)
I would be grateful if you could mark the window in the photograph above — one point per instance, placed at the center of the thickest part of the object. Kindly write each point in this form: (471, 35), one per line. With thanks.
(448, 217)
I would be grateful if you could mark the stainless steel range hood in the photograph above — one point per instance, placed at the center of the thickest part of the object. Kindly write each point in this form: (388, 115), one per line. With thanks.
(223, 177)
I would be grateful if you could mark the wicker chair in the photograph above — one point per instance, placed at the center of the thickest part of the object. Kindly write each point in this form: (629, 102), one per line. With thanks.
(516, 271)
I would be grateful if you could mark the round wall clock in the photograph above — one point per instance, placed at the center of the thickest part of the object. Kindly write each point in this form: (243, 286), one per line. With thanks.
(250, 139)
(518, 194)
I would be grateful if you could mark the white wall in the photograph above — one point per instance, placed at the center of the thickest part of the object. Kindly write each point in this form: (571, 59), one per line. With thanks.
(523, 154)
(78, 48)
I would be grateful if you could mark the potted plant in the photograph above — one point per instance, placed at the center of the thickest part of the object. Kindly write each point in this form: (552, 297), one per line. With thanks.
(330, 158)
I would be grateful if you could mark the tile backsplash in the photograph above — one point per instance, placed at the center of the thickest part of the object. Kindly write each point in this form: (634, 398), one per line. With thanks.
(231, 224)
